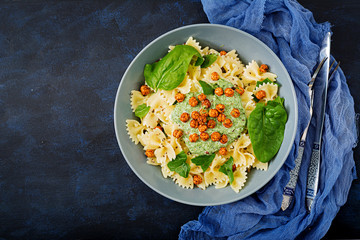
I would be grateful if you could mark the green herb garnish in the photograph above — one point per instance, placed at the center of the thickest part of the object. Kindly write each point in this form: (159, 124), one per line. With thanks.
(142, 110)
(204, 161)
(208, 60)
(266, 126)
(179, 165)
(226, 168)
(266, 80)
(170, 71)
(207, 89)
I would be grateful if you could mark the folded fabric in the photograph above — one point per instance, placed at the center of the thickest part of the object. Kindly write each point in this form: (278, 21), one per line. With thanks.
(292, 33)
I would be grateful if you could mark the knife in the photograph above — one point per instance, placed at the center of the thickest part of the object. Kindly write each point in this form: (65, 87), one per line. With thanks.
(314, 168)
(289, 189)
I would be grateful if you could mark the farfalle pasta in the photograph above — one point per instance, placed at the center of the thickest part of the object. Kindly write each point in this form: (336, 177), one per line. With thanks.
(193, 117)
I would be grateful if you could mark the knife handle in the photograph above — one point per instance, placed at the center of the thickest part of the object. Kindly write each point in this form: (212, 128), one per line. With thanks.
(289, 189)
(313, 175)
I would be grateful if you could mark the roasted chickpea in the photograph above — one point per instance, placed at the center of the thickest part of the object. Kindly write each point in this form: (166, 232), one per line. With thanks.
(223, 139)
(204, 112)
(233, 167)
(260, 94)
(180, 97)
(220, 108)
(202, 128)
(145, 90)
(211, 123)
(227, 123)
(184, 117)
(213, 113)
(197, 179)
(194, 123)
(222, 151)
(215, 136)
(263, 68)
(150, 153)
(202, 97)
(206, 103)
(215, 76)
(222, 53)
(202, 119)
(229, 92)
(240, 90)
(193, 137)
(235, 113)
(159, 127)
(193, 101)
(219, 91)
(221, 117)
(204, 136)
(177, 133)
(195, 115)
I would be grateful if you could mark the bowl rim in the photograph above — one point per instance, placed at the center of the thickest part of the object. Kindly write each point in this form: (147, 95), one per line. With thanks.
(271, 176)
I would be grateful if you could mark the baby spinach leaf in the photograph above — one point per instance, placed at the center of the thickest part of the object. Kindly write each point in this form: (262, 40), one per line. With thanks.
(207, 89)
(208, 60)
(170, 71)
(266, 126)
(142, 110)
(179, 165)
(204, 161)
(199, 61)
(266, 80)
(226, 168)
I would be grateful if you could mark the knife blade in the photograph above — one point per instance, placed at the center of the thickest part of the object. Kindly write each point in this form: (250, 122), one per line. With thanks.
(321, 89)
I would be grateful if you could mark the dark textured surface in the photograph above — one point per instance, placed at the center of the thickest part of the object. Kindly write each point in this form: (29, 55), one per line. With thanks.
(62, 175)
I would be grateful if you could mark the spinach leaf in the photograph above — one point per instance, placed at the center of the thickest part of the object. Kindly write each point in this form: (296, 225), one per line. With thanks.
(207, 89)
(204, 161)
(266, 80)
(142, 110)
(199, 61)
(170, 71)
(266, 126)
(208, 60)
(226, 168)
(179, 165)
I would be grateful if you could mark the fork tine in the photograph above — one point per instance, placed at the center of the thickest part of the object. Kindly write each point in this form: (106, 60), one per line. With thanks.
(331, 65)
(336, 67)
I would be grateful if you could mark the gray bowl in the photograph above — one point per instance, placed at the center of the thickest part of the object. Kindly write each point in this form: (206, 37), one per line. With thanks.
(218, 37)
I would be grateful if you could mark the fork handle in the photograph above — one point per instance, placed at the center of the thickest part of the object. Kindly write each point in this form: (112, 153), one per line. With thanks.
(313, 175)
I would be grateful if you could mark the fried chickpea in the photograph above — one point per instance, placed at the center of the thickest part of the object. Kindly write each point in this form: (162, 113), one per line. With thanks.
(227, 123)
(229, 92)
(220, 107)
(204, 136)
(233, 167)
(180, 97)
(195, 115)
(193, 137)
(202, 97)
(193, 101)
(206, 103)
(202, 119)
(184, 117)
(150, 153)
(235, 113)
(219, 91)
(213, 113)
(223, 139)
(222, 151)
(260, 94)
(197, 179)
(263, 68)
(222, 53)
(215, 76)
(221, 117)
(194, 123)
(145, 90)
(215, 136)
(159, 127)
(177, 133)
(240, 90)
(202, 128)
(204, 112)
(211, 123)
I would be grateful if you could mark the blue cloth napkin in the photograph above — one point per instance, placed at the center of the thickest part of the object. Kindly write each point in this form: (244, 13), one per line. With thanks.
(292, 33)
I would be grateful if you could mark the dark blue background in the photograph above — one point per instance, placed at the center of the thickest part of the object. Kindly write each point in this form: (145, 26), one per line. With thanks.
(62, 175)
